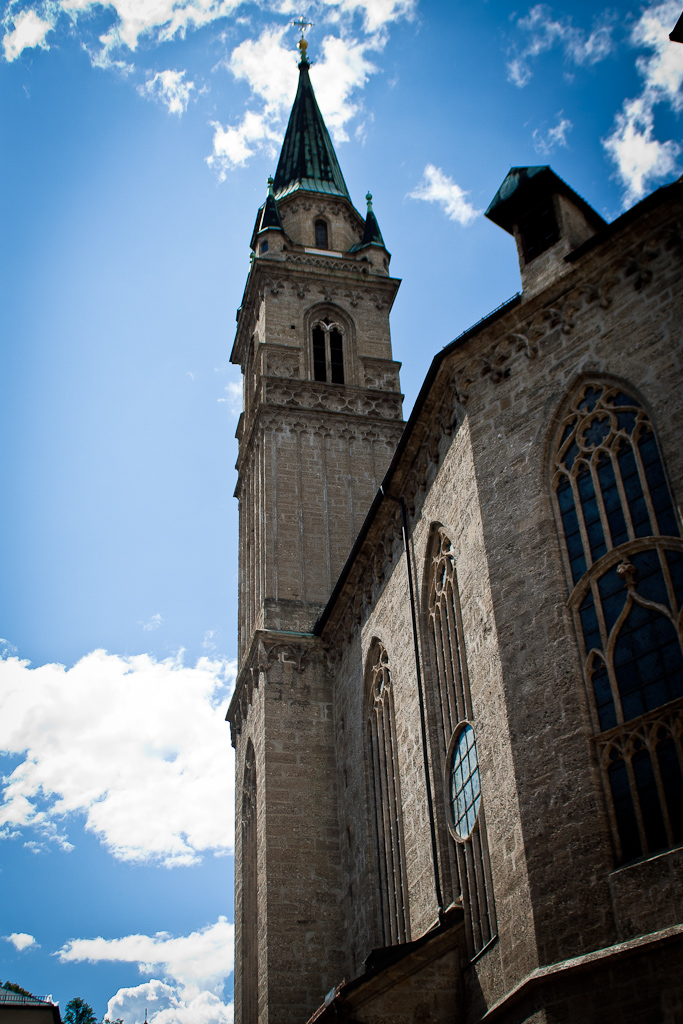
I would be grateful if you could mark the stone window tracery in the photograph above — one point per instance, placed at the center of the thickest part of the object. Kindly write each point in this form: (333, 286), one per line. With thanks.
(386, 799)
(328, 351)
(464, 863)
(625, 557)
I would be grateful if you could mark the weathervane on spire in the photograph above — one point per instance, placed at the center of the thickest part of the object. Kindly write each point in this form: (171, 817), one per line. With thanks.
(302, 25)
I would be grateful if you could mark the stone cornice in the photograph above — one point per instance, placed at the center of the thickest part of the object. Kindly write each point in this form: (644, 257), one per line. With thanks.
(267, 646)
(353, 280)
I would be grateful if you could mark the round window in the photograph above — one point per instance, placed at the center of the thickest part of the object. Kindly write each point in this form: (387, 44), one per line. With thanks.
(465, 783)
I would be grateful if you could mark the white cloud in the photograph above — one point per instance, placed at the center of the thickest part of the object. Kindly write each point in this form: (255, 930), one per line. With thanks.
(169, 87)
(137, 746)
(376, 13)
(165, 1004)
(153, 623)
(639, 156)
(233, 390)
(194, 968)
(21, 940)
(268, 65)
(546, 33)
(437, 187)
(557, 136)
(161, 20)
(29, 31)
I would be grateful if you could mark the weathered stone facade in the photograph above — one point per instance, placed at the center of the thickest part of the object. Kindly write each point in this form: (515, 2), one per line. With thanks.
(353, 651)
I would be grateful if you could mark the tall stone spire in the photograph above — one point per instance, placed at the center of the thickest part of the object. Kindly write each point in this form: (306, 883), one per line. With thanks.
(308, 160)
(322, 418)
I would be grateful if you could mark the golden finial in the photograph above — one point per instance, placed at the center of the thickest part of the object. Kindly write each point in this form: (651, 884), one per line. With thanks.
(302, 25)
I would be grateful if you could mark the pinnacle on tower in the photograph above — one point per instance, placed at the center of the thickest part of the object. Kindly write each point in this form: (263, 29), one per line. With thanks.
(270, 217)
(372, 234)
(308, 160)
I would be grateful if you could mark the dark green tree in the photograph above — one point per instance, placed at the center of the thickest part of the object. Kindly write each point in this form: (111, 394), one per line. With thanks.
(11, 986)
(79, 1012)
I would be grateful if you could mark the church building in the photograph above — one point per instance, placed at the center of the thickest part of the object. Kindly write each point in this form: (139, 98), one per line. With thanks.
(458, 716)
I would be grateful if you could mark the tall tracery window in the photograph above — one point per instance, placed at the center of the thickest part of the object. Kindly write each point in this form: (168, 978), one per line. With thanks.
(625, 556)
(465, 867)
(386, 799)
(328, 352)
(321, 234)
(249, 891)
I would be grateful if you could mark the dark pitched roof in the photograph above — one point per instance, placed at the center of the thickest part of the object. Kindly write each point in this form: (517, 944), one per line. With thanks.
(371, 233)
(270, 218)
(529, 185)
(308, 160)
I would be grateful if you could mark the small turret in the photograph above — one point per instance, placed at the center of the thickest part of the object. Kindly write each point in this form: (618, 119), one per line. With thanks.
(547, 218)
(268, 227)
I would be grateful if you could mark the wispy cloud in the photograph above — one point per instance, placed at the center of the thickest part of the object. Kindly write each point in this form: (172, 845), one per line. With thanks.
(545, 142)
(640, 157)
(233, 397)
(193, 968)
(268, 65)
(153, 623)
(170, 89)
(437, 187)
(28, 30)
(545, 32)
(136, 746)
(21, 941)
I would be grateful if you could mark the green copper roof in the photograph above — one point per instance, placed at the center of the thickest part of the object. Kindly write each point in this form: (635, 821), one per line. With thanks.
(308, 160)
(371, 233)
(524, 188)
(516, 178)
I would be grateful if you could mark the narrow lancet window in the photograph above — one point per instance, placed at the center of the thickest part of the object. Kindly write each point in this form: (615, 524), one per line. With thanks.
(386, 800)
(249, 930)
(625, 558)
(328, 352)
(464, 861)
(321, 234)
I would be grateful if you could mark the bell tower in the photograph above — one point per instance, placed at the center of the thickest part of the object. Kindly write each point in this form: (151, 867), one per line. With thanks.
(322, 417)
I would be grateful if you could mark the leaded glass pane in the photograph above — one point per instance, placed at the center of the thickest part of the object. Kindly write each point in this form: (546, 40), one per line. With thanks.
(572, 533)
(634, 492)
(659, 489)
(672, 782)
(648, 798)
(611, 499)
(591, 513)
(319, 367)
(336, 357)
(647, 661)
(650, 580)
(627, 825)
(604, 700)
(465, 783)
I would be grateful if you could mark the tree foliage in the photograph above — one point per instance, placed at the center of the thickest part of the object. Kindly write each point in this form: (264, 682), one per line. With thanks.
(11, 986)
(79, 1012)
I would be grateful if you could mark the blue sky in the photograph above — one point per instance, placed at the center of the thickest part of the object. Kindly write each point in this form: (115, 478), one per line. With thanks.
(137, 138)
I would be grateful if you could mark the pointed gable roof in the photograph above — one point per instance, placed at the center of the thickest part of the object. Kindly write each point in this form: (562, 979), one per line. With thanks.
(308, 160)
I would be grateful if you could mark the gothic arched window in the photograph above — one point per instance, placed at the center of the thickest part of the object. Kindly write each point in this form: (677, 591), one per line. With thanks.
(328, 351)
(625, 557)
(386, 799)
(249, 929)
(465, 868)
(321, 234)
